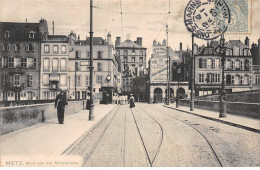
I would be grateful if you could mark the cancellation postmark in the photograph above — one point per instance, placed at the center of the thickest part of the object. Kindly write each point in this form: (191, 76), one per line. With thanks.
(207, 19)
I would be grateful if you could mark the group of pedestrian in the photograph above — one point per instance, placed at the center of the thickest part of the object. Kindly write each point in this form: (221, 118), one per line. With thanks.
(120, 99)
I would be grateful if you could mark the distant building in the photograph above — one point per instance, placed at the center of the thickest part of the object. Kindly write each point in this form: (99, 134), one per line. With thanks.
(127, 81)
(141, 88)
(107, 78)
(238, 68)
(54, 59)
(255, 50)
(20, 45)
(158, 73)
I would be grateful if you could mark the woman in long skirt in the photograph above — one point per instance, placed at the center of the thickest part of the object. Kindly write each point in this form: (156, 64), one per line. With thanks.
(132, 101)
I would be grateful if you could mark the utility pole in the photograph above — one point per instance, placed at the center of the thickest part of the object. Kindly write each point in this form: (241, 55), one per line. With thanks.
(192, 76)
(75, 75)
(168, 69)
(91, 67)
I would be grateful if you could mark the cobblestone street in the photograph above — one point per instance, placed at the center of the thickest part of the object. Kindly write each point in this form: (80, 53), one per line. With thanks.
(152, 135)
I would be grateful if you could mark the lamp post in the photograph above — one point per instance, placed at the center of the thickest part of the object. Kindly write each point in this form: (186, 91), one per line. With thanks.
(69, 88)
(91, 67)
(192, 76)
(178, 93)
(168, 69)
(222, 52)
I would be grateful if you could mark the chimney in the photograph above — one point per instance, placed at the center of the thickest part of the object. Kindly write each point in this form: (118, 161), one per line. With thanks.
(78, 37)
(53, 27)
(26, 20)
(139, 41)
(109, 38)
(247, 41)
(164, 42)
(154, 42)
(222, 40)
(118, 41)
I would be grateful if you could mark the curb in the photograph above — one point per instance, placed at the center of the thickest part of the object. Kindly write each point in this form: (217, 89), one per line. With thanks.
(218, 120)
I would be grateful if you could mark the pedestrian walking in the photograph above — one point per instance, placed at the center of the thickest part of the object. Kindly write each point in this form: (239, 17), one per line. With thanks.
(132, 101)
(88, 101)
(60, 102)
(114, 99)
(117, 99)
(126, 101)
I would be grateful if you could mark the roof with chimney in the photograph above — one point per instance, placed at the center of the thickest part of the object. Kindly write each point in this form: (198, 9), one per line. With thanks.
(96, 41)
(235, 43)
(129, 43)
(20, 31)
(57, 38)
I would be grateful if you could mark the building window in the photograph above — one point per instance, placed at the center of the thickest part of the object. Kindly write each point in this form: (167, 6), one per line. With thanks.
(55, 49)
(100, 54)
(46, 64)
(99, 80)
(55, 64)
(63, 79)
(2, 47)
(232, 79)
(78, 54)
(201, 77)
(213, 63)
(8, 47)
(34, 62)
(257, 79)
(84, 95)
(141, 53)
(233, 65)
(242, 65)
(10, 62)
(23, 94)
(125, 59)
(29, 80)
(241, 80)
(24, 62)
(99, 67)
(17, 79)
(63, 64)
(87, 81)
(133, 59)
(1, 62)
(209, 62)
(237, 64)
(31, 34)
(141, 60)
(218, 77)
(7, 34)
(63, 49)
(30, 47)
(46, 95)
(125, 52)
(45, 79)
(77, 66)
(78, 80)
(118, 52)
(46, 49)
(88, 54)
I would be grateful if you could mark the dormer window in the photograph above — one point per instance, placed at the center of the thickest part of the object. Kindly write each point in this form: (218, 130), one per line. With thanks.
(7, 34)
(31, 34)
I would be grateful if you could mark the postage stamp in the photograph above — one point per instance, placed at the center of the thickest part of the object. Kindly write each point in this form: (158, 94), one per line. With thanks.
(240, 16)
(207, 19)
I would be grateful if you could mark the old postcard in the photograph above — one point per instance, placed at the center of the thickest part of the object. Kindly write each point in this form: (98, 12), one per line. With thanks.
(129, 83)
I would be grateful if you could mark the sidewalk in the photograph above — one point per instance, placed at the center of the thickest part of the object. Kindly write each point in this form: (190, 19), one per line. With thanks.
(50, 138)
(233, 120)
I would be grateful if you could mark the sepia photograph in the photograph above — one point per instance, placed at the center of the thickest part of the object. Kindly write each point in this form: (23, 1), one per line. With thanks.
(129, 83)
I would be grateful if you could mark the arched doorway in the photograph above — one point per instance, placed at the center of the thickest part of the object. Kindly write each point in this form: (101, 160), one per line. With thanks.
(158, 95)
(181, 92)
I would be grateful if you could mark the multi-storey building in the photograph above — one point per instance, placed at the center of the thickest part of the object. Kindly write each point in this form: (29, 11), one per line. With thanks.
(107, 79)
(255, 51)
(141, 88)
(20, 45)
(54, 59)
(237, 71)
(132, 54)
(158, 73)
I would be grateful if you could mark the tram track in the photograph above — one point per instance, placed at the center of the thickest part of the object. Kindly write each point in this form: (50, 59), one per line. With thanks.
(205, 138)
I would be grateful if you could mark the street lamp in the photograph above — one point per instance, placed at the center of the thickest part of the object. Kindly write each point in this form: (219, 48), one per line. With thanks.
(178, 93)
(222, 52)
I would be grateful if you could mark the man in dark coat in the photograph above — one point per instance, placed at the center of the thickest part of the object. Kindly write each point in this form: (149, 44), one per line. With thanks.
(132, 101)
(60, 102)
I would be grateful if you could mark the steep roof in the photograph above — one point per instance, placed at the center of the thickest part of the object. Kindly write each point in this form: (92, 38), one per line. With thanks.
(20, 31)
(129, 43)
(96, 41)
(237, 43)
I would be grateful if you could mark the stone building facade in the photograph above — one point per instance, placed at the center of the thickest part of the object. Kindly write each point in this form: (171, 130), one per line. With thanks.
(237, 71)
(54, 59)
(20, 49)
(107, 78)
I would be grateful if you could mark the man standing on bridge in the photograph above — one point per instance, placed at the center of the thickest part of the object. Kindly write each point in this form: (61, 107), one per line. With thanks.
(60, 102)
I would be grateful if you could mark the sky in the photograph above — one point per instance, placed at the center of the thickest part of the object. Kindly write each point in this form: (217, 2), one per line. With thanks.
(141, 18)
